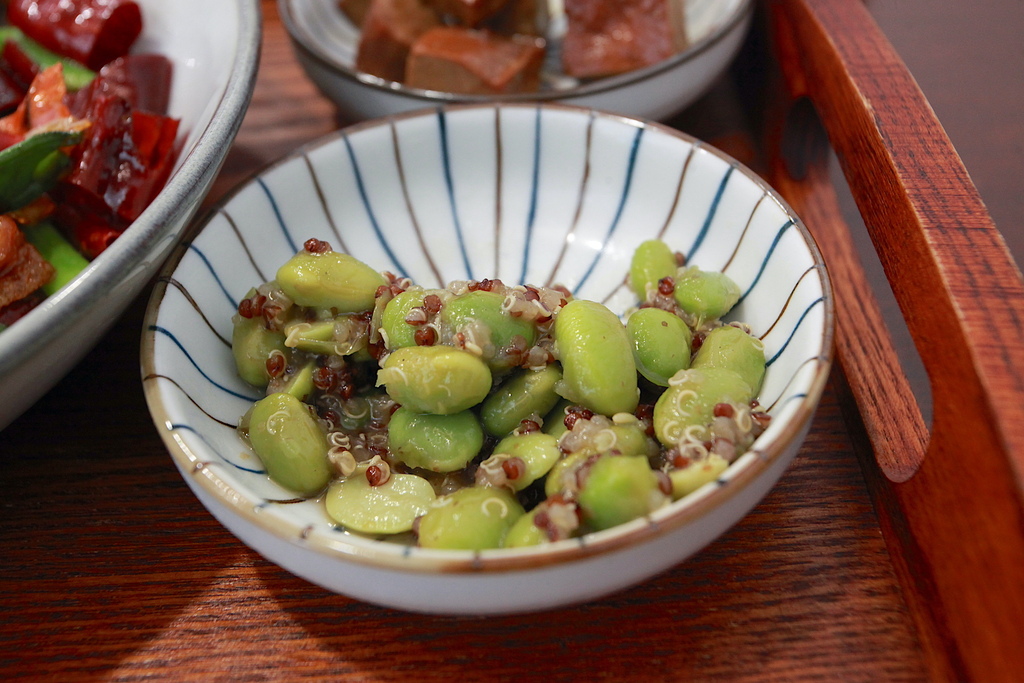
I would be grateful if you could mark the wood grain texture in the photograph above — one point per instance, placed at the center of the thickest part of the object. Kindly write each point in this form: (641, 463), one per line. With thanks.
(111, 570)
(954, 514)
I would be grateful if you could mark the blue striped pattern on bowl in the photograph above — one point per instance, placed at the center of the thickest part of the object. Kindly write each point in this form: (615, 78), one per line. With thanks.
(526, 193)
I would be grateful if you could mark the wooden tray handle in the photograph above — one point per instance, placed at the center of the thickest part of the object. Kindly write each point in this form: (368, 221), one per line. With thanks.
(951, 502)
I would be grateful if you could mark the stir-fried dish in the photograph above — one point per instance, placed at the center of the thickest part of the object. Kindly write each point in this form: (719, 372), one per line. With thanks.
(85, 140)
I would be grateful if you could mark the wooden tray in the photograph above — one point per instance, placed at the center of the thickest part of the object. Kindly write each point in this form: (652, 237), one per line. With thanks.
(950, 498)
(901, 564)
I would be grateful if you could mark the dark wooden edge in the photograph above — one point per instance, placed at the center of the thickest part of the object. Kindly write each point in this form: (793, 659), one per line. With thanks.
(951, 502)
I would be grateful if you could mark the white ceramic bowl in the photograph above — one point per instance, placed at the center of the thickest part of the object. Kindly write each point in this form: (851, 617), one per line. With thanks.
(215, 63)
(524, 193)
(325, 42)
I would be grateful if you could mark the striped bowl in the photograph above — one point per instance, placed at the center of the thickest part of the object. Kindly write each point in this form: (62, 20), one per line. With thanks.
(525, 193)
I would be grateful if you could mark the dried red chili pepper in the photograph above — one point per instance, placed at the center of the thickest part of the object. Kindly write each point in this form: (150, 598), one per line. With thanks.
(18, 65)
(93, 32)
(11, 94)
(94, 235)
(143, 81)
(121, 164)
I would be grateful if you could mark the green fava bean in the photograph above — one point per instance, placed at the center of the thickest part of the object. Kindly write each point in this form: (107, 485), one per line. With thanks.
(396, 330)
(562, 475)
(554, 421)
(335, 336)
(530, 392)
(622, 439)
(661, 344)
(251, 345)
(652, 261)
(687, 405)
(688, 479)
(538, 451)
(732, 348)
(435, 379)
(619, 489)
(388, 508)
(300, 382)
(486, 308)
(474, 518)
(524, 533)
(290, 443)
(330, 280)
(597, 358)
(315, 337)
(708, 295)
(440, 443)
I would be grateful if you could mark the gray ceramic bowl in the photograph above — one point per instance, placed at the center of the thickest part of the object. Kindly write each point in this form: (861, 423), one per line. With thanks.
(525, 193)
(215, 63)
(326, 41)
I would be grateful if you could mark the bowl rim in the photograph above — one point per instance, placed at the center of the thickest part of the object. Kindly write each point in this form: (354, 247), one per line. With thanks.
(312, 51)
(416, 560)
(132, 248)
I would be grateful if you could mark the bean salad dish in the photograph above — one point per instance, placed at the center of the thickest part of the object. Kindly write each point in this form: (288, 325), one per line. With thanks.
(485, 415)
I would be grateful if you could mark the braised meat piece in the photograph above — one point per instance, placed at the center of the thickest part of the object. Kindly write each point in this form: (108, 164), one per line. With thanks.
(455, 59)
(92, 32)
(526, 17)
(606, 37)
(389, 30)
(22, 269)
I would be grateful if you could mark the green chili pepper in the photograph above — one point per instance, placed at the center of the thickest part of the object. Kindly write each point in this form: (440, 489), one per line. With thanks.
(76, 75)
(31, 167)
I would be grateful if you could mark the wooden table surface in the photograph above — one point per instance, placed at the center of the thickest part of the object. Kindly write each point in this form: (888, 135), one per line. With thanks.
(110, 569)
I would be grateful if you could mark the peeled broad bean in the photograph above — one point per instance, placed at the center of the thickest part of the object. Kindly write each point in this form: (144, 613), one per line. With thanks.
(389, 508)
(340, 336)
(661, 344)
(397, 331)
(313, 337)
(554, 420)
(619, 489)
(329, 280)
(290, 443)
(705, 294)
(597, 358)
(299, 383)
(538, 451)
(474, 518)
(525, 533)
(652, 261)
(440, 443)
(618, 438)
(530, 392)
(732, 348)
(687, 405)
(686, 480)
(562, 475)
(622, 439)
(486, 308)
(251, 345)
(435, 379)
